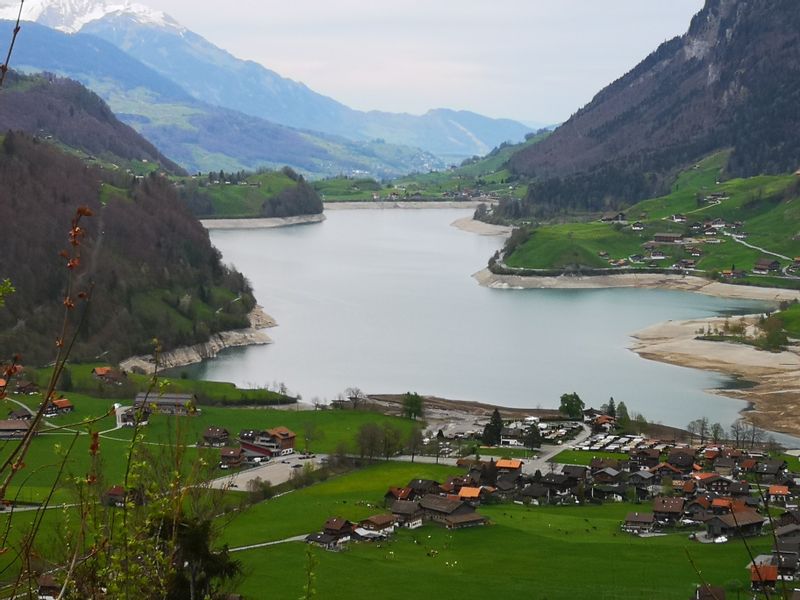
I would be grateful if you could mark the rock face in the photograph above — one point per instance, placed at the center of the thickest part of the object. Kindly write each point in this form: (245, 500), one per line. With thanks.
(732, 81)
(188, 355)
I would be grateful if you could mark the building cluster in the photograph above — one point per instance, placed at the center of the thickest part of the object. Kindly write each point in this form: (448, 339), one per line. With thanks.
(254, 445)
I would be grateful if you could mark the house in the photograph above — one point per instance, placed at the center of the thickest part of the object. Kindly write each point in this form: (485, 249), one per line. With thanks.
(638, 226)
(710, 232)
(58, 406)
(678, 218)
(422, 487)
(13, 429)
(509, 465)
(663, 470)
(709, 592)
(739, 489)
(694, 251)
(439, 508)
(657, 255)
(48, 588)
(576, 473)
(763, 576)
(109, 375)
(607, 475)
(712, 482)
(668, 509)
(215, 437)
(129, 416)
(615, 493)
(168, 404)
(613, 217)
(535, 492)
(231, 458)
(26, 387)
(21, 414)
(471, 494)
(383, 524)
(464, 520)
(323, 540)
(743, 523)
(269, 442)
(769, 470)
(340, 529)
(668, 238)
(724, 465)
(396, 493)
(764, 266)
(644, 458)
(557, 483)
(682, 459)
(778, 494)
(115, 496)
(641, 479)
(407, 514)
(636, 522)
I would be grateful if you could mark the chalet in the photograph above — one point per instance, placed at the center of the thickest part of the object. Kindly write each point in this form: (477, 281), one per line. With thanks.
(397, 493)
(682, 459)
(323, 540)
(506, 484)
(665, 470)
(668, 509)
(778, 494)
(698, 507)
(231, 458)
(710, 232)
(115, 496)
(712, 482)
(724, 465)
(557, 483)
(789, 517)
(615, 493)
(407, 514)
(422, 487)
(511, 436)
(21, 414)
(641, 479)
(687, 263)
(58, 406)
(215, 436)
(439, 508)
(13, 429)
(739, 489)
(765, 265)
(535, 492)
(668, 238)
(473, 495)
(607, 475)
(742, 523)
(26, 387)
(763, 576)
(598, 464)
(657, 255)
(678, 218)
(577, 473)
(613, 217)
(644, 458)
(788, 531)
(638, 226)
(464, 520)
(278, 441)
(769, 470)
(694, 251)
(383, 524)
(129, 416)
(48, 588)
(709, 592)
(636, 522)
(168, 404)
(718, 223)
(696, 226)
(109, 375)
(636, 258)
(509, 465)
(340, 529)
(732, 274)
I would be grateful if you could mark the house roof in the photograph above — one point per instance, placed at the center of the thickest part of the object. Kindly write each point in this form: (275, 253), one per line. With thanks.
(337, 524)
(115, 490)
(763, 573)
(231, 451)
(465, 518)
(667, 466)
(778, 490)
(405, 508)
(787, 530)
(380, 520)
(637, 517)
(321, 538)
(101, 371)
(14, 425)
(215, 432)
(398, 493)
(468, 493)
(508, 463)
(282, 432)
(668, 505)
(171, 399)
(439, 503)
(62, 403)
(535, 490)
(741, 519)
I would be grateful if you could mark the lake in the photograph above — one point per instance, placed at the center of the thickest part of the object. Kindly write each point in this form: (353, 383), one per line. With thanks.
(384, 300)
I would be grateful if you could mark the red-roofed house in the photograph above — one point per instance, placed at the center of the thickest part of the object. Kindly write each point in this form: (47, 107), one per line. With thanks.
(778, 494)
(763, 576)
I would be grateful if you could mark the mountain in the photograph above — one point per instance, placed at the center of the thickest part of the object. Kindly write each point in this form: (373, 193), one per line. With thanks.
(153, 270)
(199, 136)
(732, 81)
(245, 86)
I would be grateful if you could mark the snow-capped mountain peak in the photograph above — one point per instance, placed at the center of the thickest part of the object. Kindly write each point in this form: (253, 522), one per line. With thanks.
(70, 16)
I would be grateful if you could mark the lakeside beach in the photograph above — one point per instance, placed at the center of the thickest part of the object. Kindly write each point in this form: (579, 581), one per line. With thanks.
(775, 394)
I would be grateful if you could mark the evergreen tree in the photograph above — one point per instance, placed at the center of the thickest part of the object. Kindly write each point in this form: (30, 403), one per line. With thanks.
(623, 418)
(493, 429)
(612, 409)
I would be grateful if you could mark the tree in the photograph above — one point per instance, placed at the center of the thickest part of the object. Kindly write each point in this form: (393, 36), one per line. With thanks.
(493, 429)
(571, 405)
(623, 418)
(392, 440)
(369, 440)
(311, 433)
(65, 381)
(639, 423)
(611, 410)
(412, 405)
(737, 431)
(414, 442)
(532, 438)
(356, 396)
(717, 433)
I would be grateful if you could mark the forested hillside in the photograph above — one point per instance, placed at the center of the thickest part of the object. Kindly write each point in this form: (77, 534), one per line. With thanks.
(732, 81)
(153, 270)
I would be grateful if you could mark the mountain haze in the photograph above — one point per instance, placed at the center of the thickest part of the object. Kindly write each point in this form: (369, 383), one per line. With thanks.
(213, 76)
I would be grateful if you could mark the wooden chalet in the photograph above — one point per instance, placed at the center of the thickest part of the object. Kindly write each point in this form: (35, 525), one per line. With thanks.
(14, 429)
(231, 458)
(167, 404)
(278, 441)
(636, 522)
(407, 514)
(744, 523)
(215, 436)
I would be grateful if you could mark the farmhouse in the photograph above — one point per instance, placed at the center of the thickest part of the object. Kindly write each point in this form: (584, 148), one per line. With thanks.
(743, 523)
(109, 375)
(13, 429)
(59, 406)
(269, 442)
(407, 514)
(231, 458)
(215, 436)
(168, 404)
(668, 509)
(636, 522)
(766, 265)
(668, 238)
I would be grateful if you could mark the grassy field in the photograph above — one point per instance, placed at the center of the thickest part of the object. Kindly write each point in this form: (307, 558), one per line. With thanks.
(582, 457)
(537, 552)
(234, 200)
(764, 204)
(347, 189)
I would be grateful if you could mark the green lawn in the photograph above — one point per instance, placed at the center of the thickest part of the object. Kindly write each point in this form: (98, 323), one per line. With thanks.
(548, 552)
(584, 457)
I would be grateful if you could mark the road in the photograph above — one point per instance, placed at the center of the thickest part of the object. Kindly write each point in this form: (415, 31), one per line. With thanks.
(276, 471)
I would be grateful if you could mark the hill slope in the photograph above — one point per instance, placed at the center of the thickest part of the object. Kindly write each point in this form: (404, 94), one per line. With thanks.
(154, 271)
(732, 81)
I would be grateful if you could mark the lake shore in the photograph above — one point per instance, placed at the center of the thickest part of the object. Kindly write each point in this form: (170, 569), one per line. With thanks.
(472, 226)
(637, 280)
(776, 376)
(257, 223)
(401, 204)
(187, 355)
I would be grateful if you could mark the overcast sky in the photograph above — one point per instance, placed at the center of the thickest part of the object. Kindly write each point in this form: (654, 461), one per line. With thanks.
(531, 60)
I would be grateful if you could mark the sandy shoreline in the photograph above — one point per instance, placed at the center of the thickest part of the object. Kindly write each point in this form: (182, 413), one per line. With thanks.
(774, 397)
(187, 355)
(401, 204)
(637, 280)
(257, 223)
(471, 225)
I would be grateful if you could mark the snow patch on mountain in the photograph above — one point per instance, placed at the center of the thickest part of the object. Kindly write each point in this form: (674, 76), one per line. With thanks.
(70, 16)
